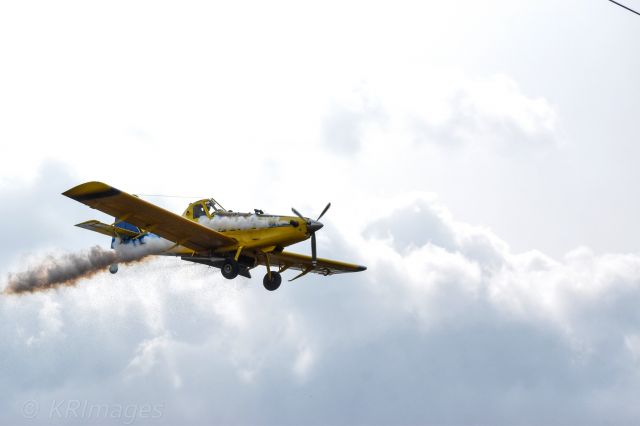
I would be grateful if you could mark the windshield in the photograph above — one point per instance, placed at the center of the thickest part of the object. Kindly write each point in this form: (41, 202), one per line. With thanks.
(213, 206)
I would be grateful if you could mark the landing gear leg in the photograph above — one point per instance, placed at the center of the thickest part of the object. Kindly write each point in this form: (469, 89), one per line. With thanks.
(230, 269)
(272, 280)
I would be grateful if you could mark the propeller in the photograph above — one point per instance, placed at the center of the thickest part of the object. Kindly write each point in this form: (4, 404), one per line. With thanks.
(313, 226)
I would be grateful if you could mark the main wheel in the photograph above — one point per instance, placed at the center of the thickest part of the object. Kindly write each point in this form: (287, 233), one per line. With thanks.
(230, 269)
(273, 283)
(113, 268)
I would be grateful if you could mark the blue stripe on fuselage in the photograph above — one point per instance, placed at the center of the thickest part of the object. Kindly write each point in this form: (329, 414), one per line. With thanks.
(135, 241)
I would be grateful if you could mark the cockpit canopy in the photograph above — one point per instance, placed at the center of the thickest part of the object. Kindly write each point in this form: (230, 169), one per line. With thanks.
(205, 207)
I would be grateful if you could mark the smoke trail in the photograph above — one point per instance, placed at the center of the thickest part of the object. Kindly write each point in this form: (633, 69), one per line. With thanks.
(67, 269)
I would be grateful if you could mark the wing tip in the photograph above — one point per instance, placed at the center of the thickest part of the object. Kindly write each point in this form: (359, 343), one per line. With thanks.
(90, 191)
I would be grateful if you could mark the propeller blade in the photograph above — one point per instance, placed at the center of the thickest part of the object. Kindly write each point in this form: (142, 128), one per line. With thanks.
(313, 249)
(313, 227)
(324, 211)
(298, 214)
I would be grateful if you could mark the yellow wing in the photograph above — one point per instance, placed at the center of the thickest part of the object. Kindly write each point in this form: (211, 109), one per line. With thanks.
(286, 260)
(147, 216)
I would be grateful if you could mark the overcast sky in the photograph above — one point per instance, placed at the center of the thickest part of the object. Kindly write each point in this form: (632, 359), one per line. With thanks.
(481, 160)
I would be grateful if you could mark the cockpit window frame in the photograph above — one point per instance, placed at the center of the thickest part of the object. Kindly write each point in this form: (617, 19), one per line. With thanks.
(206, 207)
(199, 209)
(212, 206)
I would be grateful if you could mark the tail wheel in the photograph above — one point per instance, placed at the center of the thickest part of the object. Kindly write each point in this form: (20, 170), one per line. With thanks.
(230, 269)
(272, 283)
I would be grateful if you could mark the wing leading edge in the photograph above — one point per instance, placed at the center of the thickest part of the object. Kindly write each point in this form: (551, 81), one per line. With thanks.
(287, 260)
(147, 216)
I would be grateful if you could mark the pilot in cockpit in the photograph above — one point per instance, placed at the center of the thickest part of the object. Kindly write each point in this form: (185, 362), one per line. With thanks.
(198, 210)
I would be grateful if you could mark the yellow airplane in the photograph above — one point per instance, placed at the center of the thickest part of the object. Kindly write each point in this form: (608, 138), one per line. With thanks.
(207, 233)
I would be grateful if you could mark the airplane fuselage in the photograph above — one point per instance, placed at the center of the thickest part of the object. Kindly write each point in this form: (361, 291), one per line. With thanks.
(251, 231)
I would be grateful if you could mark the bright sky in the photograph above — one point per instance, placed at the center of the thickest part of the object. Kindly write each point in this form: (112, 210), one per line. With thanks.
(481, 159)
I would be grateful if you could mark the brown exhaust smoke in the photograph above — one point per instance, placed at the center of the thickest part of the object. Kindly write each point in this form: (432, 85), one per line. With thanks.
(67, 269)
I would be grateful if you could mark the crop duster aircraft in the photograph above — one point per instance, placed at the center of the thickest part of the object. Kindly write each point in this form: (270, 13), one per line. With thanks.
(207, 233)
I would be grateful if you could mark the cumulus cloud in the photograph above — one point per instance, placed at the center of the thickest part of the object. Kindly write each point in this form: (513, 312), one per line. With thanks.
(36, 216)
(496, 113)
(488, 113)
(447, 326)
(451, 329)
(347, 120)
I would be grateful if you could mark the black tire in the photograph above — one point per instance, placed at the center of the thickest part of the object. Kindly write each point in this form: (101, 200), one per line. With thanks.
(230, 269)
(273, 283)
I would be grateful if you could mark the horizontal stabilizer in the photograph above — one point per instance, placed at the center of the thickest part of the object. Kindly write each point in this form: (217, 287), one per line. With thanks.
(110, 230)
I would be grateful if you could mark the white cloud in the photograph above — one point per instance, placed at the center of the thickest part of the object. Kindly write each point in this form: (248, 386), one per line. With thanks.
(367, 106)
(443, 107)
(506, 336)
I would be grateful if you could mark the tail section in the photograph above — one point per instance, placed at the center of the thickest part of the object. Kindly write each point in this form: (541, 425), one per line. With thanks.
(125, 226)
(122, 230)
